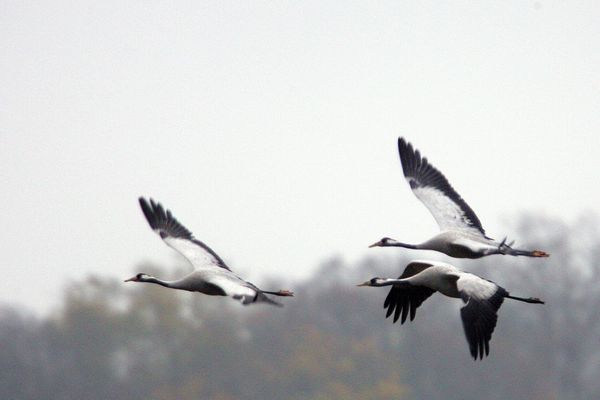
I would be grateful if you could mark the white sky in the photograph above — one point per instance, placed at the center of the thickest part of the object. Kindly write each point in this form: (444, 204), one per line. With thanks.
(269, 128)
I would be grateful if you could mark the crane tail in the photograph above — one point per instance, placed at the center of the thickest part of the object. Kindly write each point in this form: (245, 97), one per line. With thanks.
(260, 297)
(263, 298)
(533, 300)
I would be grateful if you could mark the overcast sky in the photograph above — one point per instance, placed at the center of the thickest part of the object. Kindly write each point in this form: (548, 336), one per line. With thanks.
(270, 128)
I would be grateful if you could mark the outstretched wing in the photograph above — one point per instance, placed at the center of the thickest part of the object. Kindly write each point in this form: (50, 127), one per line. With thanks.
(479, 316)
(433, 189)
(405, 300)
(179, 237)
(415, 267)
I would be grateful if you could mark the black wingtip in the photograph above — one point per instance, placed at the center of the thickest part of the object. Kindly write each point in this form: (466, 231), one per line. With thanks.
(402, 152)
(162, 220)
(401, 142)
(143, 202)
(410, 158)
(154, 212)
(148, 212)
(421, 173)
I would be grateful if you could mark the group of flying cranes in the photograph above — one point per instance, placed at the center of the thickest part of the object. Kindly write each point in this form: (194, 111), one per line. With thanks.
(461, 236)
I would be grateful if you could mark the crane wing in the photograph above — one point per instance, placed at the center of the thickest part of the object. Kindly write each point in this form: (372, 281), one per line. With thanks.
(430, 186)
(179, 237)
(479, 316)
(405, 300)
(415, 267)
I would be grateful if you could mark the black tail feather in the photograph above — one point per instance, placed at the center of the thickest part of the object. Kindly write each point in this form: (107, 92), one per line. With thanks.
(262, 298)
(533, 300)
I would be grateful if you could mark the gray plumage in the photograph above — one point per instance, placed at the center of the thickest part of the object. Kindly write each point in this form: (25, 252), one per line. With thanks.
(211, 275)
(462, 234)
(421, 279)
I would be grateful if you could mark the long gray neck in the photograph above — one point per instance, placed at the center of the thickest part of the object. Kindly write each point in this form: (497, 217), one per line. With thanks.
(400, 244)
(389, 282)
(169, 284)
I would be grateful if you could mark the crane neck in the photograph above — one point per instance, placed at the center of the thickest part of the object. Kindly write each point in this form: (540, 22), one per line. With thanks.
(389, 282)
(400, 244)
(386, 282)
(388, 242)
(168, 284)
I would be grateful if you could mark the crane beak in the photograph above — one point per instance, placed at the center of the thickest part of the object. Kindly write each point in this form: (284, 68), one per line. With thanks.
(376, 244)
(133, 279)
(367, 283)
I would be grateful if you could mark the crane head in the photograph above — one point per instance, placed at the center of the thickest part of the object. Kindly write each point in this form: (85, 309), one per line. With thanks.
(138, 278)
(373, 282)
(386, 241)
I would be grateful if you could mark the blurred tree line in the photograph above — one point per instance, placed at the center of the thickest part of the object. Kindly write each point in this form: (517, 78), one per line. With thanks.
(111, 340)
